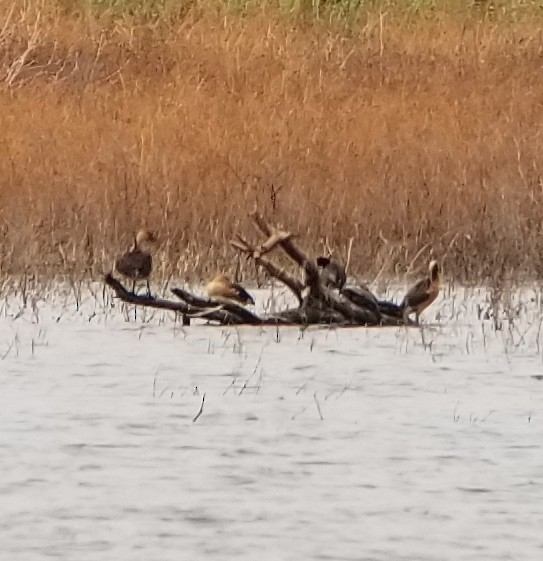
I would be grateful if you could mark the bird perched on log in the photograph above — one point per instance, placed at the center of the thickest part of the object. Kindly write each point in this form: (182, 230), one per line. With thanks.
(137, 263)
(362, 297)
(423, 293)
(332, 274)
(222, 288)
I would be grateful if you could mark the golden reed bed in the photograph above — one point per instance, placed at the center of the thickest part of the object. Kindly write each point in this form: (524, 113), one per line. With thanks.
(406, 132)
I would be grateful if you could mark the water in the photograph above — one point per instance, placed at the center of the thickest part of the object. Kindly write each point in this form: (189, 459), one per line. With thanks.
(362, 444)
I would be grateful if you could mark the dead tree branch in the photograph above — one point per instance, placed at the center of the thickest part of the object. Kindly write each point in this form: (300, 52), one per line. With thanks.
(280, 274)
(318, 304)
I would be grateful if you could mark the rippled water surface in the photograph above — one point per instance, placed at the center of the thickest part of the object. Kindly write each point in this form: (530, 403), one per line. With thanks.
(363, 444)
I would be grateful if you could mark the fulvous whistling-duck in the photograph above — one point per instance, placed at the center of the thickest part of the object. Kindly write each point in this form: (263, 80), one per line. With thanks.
(137, 263)
(423, 293)
(221, 288)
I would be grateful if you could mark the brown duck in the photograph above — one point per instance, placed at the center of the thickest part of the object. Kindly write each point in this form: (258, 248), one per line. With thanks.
(423, 293)
(221, 288)
(137, 263)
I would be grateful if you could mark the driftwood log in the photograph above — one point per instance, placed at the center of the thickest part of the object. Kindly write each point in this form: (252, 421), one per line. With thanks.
(317, 304)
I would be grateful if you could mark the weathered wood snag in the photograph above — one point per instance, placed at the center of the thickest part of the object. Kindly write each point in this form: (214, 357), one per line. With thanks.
(317, 303)
(191, 306)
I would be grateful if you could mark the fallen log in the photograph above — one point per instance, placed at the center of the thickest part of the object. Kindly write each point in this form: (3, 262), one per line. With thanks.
(144, 300)
(355, 306)
(191, 306)
(318, 303)
(236, 314)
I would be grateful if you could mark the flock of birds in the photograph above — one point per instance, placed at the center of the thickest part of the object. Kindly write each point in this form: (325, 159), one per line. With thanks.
(137, 263)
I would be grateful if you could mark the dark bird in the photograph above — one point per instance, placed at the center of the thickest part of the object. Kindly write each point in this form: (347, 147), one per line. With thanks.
(221, 288)
(332, 273)
(362, 297)
(422, 294)
(137, 263)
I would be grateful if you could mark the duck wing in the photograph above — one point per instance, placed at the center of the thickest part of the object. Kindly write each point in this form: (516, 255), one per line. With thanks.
(361, 297)
(390, 308)
(135, 264)
(242, 295)
(417, 294)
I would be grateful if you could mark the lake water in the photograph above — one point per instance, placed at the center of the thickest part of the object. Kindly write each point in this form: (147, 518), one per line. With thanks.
(360, 444)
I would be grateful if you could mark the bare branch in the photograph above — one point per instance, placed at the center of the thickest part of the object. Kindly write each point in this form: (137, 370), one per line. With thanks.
(272, 242)
(280, 274)
(309, 267)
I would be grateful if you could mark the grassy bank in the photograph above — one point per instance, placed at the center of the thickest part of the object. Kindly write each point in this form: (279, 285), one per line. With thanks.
(414, 131)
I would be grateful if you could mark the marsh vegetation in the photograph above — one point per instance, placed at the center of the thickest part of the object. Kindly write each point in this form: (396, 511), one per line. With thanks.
(402, 130)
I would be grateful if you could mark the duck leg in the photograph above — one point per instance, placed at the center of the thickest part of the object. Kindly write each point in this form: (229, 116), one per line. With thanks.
(148, 288)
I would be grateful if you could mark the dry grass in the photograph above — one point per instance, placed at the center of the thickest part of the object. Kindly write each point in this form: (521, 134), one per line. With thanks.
(410, 133)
